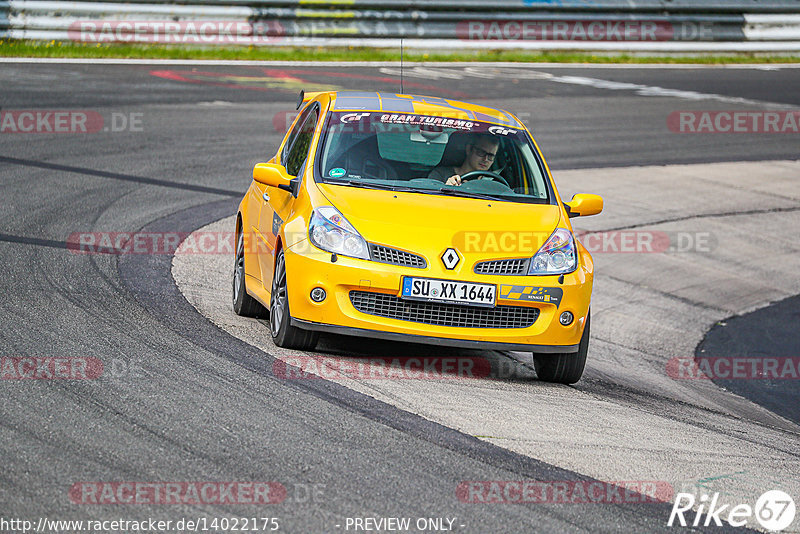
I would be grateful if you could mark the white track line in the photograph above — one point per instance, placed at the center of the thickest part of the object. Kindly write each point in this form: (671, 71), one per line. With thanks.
(504, 64)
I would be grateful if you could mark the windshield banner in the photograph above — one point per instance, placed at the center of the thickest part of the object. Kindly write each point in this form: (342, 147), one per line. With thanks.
(386, 122)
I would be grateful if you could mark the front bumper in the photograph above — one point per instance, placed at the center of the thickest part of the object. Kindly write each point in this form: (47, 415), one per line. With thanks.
(428, 340)
(308, 267)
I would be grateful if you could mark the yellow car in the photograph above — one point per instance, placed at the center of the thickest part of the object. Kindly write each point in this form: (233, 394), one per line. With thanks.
(418, 219)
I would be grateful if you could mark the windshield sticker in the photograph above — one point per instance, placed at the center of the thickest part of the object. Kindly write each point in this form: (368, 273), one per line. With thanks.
(353, 117)
(377, 122)
(338, 172)
(501, 130)
(422, 120)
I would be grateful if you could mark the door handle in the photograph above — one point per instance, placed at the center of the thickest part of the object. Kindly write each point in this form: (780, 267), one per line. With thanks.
(265, 196)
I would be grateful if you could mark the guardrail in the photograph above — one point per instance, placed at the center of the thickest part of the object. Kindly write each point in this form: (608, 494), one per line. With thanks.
(654, 25)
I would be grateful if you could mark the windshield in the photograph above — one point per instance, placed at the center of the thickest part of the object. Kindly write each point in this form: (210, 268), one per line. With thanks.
(430, 154)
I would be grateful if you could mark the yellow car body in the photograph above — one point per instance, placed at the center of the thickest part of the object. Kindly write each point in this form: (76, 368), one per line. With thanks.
(407, 235)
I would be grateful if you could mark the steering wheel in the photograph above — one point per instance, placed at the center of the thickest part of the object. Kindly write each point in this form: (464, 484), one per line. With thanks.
(490, 174)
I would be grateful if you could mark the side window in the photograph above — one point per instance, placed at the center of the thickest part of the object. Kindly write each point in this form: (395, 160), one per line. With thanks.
(296, 148)
(293, 134)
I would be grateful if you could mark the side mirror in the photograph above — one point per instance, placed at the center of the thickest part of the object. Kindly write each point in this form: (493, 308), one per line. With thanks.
(584, 204)
(273, 175)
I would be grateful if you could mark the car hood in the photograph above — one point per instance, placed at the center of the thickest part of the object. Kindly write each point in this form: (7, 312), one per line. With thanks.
(429, 224)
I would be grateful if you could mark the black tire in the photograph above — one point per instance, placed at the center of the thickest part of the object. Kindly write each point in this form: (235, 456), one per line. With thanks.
(243, 304)
(283, 333)
(564, 368)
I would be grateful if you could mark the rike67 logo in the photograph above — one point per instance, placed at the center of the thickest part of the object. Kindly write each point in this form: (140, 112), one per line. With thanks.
(774, 511)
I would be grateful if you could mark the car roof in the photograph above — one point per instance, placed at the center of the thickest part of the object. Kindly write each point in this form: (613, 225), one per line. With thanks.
(422, 105)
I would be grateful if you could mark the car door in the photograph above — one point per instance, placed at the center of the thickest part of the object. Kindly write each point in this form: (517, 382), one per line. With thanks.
(276, 204)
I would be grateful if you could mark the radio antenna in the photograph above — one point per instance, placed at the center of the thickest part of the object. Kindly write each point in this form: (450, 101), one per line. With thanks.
(401, 66)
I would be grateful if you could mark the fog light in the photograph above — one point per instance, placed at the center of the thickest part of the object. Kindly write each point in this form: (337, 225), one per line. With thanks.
(566, 318)
(318, 294)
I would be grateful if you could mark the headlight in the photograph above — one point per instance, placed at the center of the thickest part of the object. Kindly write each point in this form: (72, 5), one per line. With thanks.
(557, 255)
(330, 231)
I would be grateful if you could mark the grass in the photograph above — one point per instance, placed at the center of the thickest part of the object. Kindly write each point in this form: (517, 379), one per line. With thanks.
(67, 49)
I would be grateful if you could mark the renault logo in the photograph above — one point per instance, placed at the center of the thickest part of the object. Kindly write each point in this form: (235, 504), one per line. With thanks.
(450, 258)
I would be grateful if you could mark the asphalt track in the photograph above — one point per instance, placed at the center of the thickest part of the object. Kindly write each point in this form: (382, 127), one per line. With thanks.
(188, 401)
(765, 333)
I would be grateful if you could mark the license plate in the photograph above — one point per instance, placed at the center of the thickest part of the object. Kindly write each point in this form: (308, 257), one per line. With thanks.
(434, 290)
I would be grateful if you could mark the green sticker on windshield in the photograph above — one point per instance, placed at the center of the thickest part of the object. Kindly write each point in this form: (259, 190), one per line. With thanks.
(338, 172)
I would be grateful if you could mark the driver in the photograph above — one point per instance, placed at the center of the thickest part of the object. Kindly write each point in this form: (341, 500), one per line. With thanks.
(480, 154)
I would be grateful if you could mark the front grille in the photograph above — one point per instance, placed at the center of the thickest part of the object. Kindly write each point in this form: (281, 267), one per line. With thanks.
(517, 267)
(397, 257)
(434, 313)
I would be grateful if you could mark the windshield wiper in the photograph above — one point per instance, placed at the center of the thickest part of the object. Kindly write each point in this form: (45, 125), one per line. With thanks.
(373, 185)
(467, 194)
(446, 191)
(359, 183)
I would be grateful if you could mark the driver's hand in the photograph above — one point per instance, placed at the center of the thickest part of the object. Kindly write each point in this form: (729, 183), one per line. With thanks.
(454, 180)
